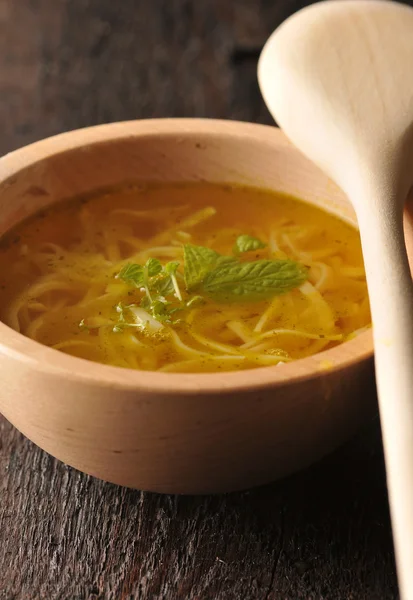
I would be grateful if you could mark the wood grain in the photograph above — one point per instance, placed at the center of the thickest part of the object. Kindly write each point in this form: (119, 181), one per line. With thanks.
(63, 536)
(322, 534)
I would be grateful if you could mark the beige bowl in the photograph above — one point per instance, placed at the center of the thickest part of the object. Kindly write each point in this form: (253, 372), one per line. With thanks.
(178, 433)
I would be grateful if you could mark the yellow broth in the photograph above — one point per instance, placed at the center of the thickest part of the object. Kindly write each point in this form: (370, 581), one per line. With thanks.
(58, 281)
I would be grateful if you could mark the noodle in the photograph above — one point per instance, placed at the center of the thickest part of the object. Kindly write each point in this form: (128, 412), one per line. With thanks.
(58, 283)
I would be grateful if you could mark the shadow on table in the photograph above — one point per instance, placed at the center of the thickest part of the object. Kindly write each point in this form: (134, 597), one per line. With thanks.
(323, 534)
(324, 531)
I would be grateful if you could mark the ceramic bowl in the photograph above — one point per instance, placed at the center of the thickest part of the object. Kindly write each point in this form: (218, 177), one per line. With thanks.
(176, 433)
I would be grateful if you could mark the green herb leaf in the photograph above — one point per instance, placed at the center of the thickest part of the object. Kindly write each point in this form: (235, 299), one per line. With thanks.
(153, 267)
(254, 280)
(159, 310)
(163, 286)
(198, 262)
(171, 267)
(247, 243)
(132, 273)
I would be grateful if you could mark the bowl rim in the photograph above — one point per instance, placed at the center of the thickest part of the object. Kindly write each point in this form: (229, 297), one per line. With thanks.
(50, 361)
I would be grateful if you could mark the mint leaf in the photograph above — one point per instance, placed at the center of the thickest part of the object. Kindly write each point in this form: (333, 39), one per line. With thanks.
(198, 262)
(253, 280)
(163, 286)
(153, 266)
(136, 274)
(132, 273)
(247, 243)
(160, 310)
(171, 267)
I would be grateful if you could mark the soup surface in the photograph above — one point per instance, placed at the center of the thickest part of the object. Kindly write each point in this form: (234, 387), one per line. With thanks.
(184, 278)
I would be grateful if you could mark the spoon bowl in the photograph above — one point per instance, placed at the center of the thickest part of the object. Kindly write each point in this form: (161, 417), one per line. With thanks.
(335, 76)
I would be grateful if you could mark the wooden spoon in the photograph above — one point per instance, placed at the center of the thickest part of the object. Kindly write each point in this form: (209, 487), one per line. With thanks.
(338, 78)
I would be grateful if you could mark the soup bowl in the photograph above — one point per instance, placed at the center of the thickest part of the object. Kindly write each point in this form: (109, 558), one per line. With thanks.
(164, 432)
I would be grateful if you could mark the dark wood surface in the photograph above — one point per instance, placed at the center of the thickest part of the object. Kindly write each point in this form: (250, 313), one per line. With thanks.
(323, 534)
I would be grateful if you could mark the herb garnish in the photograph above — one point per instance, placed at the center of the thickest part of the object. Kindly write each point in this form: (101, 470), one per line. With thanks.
(205, 273)
(157, 282)
(198, 262)
(247, 243)
(257, 280)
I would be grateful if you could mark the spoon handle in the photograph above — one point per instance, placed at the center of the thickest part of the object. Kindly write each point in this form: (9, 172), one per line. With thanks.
(391, 300)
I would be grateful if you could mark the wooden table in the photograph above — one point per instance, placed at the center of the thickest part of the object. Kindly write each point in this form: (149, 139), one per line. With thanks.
(323, 534)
